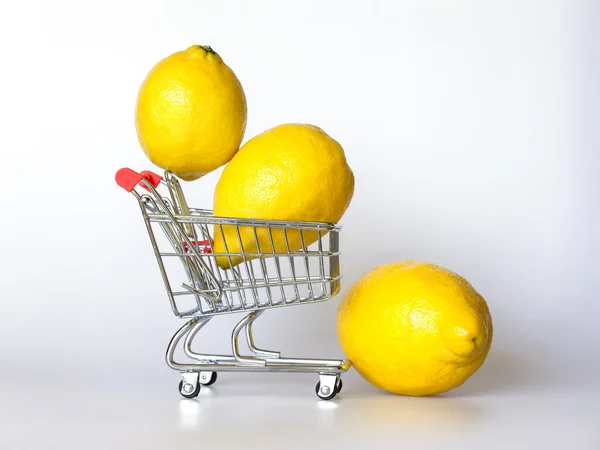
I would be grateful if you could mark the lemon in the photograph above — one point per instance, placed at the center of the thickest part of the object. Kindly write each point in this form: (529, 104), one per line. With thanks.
(191, 113)
(291, 172)
(414, 328)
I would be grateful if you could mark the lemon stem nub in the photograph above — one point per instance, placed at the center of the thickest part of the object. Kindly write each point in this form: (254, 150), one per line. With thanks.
(207, 48)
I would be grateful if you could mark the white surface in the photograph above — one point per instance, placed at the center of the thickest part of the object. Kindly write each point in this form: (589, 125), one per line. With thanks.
(281, 411)
(471, 127)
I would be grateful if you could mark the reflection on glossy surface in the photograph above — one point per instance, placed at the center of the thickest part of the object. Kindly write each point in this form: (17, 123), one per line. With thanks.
(266, 414)
(387, 412)
(189, 413)
(190, 410)
(365, 411)
(327, 405)
(206, 391)
(326, 413)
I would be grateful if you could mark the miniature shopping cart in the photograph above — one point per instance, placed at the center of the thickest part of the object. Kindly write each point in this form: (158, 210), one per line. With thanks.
(199, 289)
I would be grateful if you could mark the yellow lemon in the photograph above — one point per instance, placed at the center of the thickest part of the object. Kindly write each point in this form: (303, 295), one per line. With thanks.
(191, 113)
(414, 328)
(291, 172)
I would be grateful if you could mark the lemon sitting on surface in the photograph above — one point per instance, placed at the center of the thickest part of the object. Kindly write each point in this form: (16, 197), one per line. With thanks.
(414, 328)
(191, 113)
(292, 172)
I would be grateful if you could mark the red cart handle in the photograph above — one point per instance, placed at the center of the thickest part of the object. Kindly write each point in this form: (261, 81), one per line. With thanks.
(204, 244)
(129, 179)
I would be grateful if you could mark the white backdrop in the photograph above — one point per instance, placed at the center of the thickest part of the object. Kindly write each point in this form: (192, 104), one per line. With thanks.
(471, 128)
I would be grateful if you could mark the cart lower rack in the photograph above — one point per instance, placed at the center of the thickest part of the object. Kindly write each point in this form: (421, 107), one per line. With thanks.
(260, 268)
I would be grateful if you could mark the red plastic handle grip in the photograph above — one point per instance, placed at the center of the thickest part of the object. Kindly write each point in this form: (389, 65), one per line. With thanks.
(205, 244)
(153, 178)
(129, 179)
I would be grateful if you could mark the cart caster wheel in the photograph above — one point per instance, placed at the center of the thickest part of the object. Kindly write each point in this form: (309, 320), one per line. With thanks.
(326, 393)
(188, 390)
(208, 378)
(338, 386)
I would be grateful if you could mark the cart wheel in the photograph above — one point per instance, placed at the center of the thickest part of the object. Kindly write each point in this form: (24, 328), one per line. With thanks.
(188, 390)
(324, 396)
(338, 386)
(208, 378)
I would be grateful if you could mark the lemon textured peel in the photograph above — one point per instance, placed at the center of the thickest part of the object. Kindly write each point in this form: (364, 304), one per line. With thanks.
(191, 113)
(414, 328)
(292, 172)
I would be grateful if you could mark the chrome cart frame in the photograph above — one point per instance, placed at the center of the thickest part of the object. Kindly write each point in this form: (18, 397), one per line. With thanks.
(213, 284)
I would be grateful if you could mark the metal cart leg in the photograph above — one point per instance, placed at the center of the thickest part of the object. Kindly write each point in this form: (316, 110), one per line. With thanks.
(173, 344)
(187, 345)
(257, 351)
(206, 378)
(235, 346)
(205, 358)
(203, 372)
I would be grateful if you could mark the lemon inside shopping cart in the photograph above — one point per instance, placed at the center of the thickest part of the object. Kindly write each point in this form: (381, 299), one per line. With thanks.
(292, 172)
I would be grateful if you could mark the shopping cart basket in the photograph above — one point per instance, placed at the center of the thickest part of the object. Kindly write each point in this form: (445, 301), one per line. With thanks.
(182, 239)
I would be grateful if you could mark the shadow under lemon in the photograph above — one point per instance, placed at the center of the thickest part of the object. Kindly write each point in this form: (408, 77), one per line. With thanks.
(385, 413)
(502, 372)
